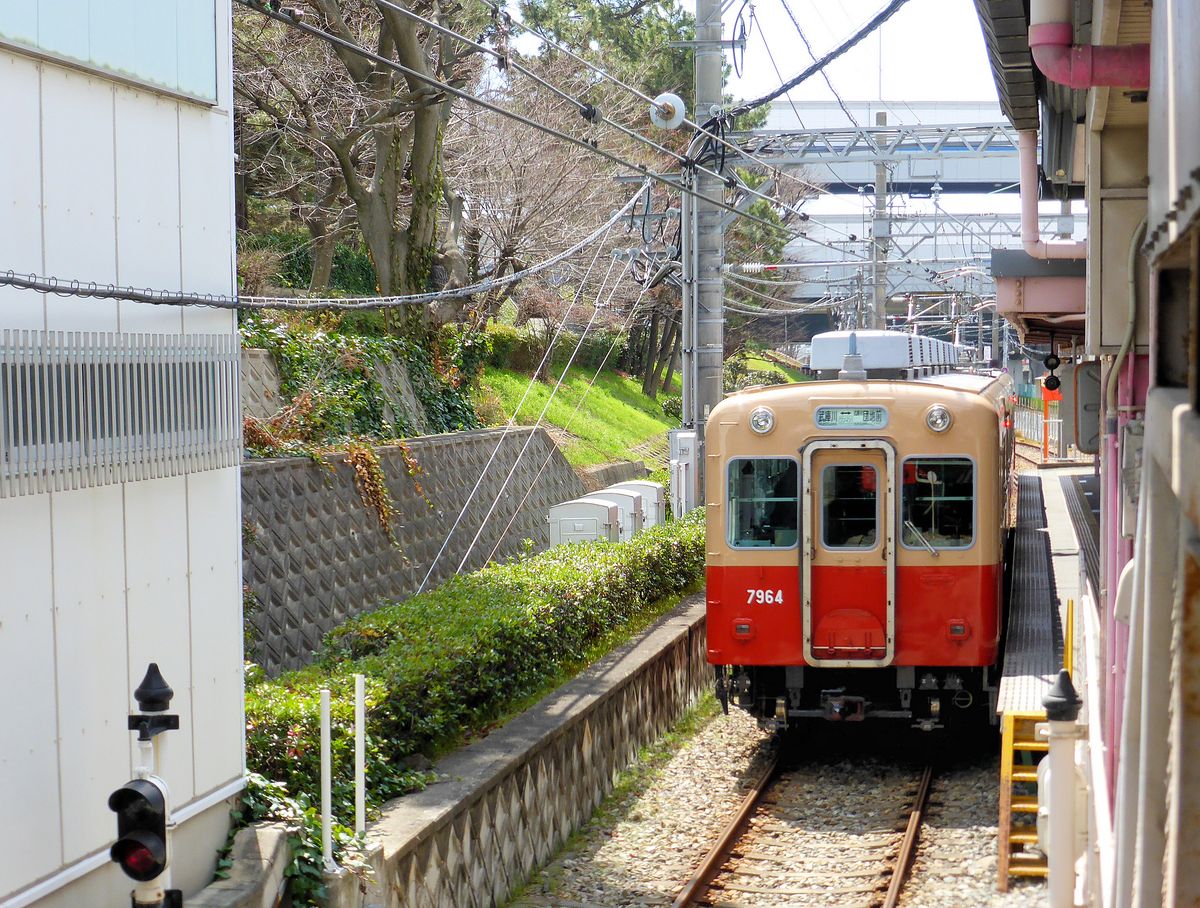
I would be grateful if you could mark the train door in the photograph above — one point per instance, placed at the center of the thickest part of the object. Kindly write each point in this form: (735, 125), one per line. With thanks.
(848, 553)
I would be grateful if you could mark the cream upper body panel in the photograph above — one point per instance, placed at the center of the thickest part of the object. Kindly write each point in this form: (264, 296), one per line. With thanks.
(977, 403)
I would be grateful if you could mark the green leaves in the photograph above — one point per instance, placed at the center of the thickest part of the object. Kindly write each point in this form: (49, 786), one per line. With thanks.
(447, 663)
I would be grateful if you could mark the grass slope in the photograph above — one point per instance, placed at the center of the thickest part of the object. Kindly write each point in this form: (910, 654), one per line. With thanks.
(615, 416)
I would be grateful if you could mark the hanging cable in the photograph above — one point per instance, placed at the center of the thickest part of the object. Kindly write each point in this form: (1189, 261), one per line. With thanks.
(824, 75)
(633, 310)
(508, 426)
(42, 284)
(881, 17)
(537, 424)
(293, 22)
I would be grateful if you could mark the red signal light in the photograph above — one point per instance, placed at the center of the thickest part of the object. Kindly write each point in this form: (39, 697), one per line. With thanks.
(141, 846)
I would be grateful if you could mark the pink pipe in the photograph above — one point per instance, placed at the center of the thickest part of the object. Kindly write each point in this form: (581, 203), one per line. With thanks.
(1030, 233)
(1085, 65)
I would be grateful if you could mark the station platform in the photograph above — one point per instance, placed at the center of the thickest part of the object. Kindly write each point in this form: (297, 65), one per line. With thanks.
(1056, 531)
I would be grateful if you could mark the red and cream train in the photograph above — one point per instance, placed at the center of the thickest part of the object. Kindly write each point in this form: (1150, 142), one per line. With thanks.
(856, 536)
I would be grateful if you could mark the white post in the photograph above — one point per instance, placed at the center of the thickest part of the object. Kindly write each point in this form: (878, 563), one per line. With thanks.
(360, 753)
(326, 785)
(1062, 710)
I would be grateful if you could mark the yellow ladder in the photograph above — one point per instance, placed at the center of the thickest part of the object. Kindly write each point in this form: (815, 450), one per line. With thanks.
(1021, 751)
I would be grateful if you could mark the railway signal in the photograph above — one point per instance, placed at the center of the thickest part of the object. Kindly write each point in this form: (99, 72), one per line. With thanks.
(141, 846)
(143, 804)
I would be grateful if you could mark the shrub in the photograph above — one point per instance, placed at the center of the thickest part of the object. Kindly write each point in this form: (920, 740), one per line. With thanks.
(522, 349)
(672, 407)
(329, 377)
(451, 660)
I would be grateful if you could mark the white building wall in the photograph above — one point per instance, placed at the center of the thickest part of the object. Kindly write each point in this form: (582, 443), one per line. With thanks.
(107, 182)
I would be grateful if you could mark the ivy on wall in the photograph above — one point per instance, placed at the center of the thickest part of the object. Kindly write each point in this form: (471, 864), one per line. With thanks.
(330, 379)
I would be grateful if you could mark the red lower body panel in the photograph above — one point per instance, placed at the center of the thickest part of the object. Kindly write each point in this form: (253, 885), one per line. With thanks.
(944, 615)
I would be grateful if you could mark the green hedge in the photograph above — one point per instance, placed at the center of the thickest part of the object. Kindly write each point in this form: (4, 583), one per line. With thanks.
(446, 663)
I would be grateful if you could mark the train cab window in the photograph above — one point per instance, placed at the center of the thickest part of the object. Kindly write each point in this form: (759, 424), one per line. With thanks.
(849, 506)
(938, 503)
(762, 507)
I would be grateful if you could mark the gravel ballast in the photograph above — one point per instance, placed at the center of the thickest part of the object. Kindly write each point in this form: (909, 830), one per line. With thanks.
(648, 837)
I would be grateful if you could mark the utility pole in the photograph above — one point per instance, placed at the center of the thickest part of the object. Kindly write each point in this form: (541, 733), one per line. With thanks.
(708, 241)
(880, 231)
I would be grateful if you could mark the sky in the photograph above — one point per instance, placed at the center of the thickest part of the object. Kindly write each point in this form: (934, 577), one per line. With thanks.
(929, 50)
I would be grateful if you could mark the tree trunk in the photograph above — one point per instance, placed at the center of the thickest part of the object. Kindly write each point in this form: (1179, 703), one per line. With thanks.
(674, 362)
(648, 355)
(665, 351)
(324, 244)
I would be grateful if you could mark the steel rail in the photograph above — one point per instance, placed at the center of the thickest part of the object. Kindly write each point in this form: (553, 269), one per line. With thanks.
(908, 846)
(712, 862)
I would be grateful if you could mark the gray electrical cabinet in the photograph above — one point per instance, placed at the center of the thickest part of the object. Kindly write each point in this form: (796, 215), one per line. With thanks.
(654, 499)
(1079, 408)
(629, 509)
(584, 520)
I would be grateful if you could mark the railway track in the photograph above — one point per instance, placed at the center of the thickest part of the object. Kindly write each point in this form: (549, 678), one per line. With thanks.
(793, 842)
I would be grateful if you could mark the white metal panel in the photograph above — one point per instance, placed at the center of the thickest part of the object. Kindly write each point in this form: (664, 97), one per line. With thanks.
(584, 520)
(93, 689)
(630, 510)
(214, 566)
(654, 499)
(206, 212)
(881, 350)
(156, 552)
(29, 757)
(147, 175)
(20, 191)
(78, 194)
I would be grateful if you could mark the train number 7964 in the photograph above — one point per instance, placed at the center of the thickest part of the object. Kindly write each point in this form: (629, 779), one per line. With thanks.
(764, 597)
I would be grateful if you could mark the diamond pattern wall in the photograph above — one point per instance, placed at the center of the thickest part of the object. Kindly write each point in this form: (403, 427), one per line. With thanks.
(319, 555)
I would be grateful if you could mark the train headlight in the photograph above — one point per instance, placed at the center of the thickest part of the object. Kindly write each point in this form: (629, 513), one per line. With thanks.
(762, 420)
(938, 418)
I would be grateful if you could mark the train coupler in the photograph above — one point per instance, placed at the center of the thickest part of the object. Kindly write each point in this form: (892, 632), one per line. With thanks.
(838, 707)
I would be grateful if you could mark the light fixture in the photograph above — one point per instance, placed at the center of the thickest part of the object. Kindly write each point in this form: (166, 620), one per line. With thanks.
(938, 418)
(762, 420)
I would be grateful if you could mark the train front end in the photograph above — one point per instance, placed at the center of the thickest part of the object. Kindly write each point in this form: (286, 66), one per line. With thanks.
(855, 547)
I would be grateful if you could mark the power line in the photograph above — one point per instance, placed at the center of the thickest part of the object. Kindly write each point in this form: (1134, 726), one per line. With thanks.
(633, 310)
(537, 424)
(290, 20)
(824, 75)
(77, 288)
(881, 17)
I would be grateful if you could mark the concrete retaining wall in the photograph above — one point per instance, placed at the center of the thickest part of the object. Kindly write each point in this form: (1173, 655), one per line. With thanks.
(319, 556)
(605, 475)
(512, 799)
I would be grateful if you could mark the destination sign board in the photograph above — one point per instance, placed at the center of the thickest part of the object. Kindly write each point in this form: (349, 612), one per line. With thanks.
(851, 417)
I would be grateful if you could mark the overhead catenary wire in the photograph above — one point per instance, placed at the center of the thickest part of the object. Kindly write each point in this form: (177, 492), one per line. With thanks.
(633, 311)
(594, 115)
(807, 46)
(881, 17)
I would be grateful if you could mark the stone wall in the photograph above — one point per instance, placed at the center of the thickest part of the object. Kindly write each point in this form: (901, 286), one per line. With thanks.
(605, 475)
(510, 801)
(318, 556)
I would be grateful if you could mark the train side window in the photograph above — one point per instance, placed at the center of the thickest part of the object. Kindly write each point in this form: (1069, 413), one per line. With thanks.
(850, 512)
(762, 507)
(938, 503)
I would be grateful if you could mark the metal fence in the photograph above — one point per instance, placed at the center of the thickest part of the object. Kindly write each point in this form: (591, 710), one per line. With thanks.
(1034, 425)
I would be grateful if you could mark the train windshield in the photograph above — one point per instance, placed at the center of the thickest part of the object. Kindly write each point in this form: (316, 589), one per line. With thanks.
(763, 510)
(938, 503)
(851, 515)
